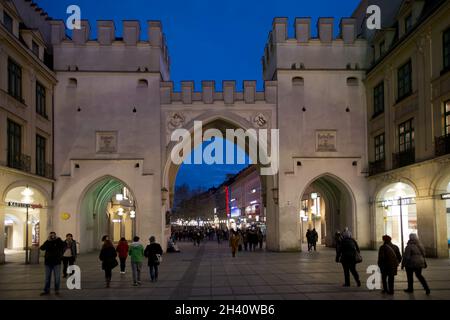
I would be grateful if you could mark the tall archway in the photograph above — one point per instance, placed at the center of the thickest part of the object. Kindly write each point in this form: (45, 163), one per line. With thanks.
(108, 206)
(220, 124)
(327, 204)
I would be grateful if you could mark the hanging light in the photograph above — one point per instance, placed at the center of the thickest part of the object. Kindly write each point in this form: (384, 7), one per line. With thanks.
(27, 196)
(119, 197)
(120, 211)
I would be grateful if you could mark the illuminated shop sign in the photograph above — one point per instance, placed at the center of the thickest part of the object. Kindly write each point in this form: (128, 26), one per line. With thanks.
(24, 205)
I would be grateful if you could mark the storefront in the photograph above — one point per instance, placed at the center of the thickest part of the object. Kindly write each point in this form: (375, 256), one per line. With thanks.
(397, 206)
(25, 221)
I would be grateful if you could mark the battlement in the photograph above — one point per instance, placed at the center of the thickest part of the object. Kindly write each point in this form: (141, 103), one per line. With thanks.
(34, 16)
(126, 53)
(302, 51)
(209, 95)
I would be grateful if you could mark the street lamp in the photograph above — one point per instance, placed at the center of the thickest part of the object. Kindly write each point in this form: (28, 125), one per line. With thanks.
(315, 197)
(27, 200)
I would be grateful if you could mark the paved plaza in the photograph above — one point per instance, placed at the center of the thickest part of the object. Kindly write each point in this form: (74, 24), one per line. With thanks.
(209, 272)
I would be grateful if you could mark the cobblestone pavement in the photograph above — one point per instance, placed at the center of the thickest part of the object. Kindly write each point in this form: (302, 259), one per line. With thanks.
(209, 272)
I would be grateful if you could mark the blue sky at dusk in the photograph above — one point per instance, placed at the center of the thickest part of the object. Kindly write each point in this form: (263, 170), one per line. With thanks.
(208, 40)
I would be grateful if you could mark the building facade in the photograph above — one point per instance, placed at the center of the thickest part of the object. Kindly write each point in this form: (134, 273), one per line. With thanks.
(408, 100)
(26, 125)
(362, 120)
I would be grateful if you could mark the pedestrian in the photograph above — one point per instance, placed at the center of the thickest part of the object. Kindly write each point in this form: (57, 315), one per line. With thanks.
(122, 250)
(260, 238)
(349, 255)
(309, 238)
(69, 253)
(136, 252)
(389, 258)
(234, 242)
(153, 252)
(414, 261)
(314, 239)
(108, 258)
(338, 242)
(53, 248)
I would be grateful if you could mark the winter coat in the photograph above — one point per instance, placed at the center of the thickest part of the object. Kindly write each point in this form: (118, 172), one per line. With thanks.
(53, 251)
(347, 251)
(122, 249)
(72, 246)
(136, 252)
(389, 258)
(108, 258)
(414, 257)
(314, 236)
(151, 251)
(234, 241)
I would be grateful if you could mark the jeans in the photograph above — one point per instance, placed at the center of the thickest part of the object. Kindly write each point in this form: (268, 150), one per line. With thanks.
(388, 281)
(67, 261)
(136, 268)
(123, 264)
(56, 270)
(153, 271)
(350, 267)
(409, 275)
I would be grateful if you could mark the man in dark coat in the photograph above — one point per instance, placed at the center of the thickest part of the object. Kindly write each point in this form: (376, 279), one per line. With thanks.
(314, 238)
(389, 258)
(53, 248)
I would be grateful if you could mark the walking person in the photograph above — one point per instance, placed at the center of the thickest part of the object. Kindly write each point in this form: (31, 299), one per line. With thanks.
(414, 261)
(308, 238)
(389, 258)
(314, 239)
(53, 248)
(153, 252)
(338, 243)
(136, 252)
(69, 253)
(234, 242)
(108, 258)
(349, 255)
(122, 250)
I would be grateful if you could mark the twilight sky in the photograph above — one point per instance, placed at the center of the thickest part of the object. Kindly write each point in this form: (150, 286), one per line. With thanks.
(208, 40)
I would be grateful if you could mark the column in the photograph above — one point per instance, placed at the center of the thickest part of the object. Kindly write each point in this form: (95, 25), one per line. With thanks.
(2, 238)
(426, 225)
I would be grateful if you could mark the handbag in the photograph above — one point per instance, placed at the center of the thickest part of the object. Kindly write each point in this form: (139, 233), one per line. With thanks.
(158, 259)
(358, 257)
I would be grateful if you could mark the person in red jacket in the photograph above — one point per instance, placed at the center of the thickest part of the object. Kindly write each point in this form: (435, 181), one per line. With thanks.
(122, 250)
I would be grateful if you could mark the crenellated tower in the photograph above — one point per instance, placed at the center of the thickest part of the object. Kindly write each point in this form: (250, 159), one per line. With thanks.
(108, 52)
(304, 52)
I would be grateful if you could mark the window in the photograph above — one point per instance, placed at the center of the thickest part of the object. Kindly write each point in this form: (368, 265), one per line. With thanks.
(446, 49)
(404, 80)
(408, 23)
(447, 118)
(378, 99)
(14, 79)
(382, 48)
(40, 100)
(35, 48)
(379, 147)
(14, 144)
(406, 136)
(40, 155)
(7, 22)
